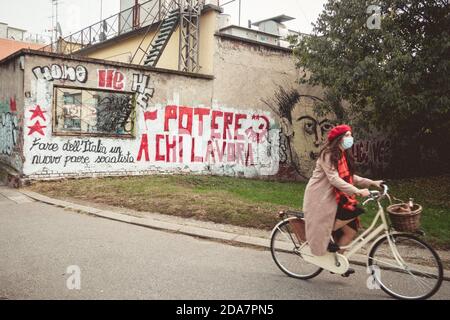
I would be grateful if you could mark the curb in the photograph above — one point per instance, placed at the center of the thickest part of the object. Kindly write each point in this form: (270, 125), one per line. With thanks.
(152, 223)
(204, 233)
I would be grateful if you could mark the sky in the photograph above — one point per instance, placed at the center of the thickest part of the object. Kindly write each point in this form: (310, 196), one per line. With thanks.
(304, 11)
(35, 15)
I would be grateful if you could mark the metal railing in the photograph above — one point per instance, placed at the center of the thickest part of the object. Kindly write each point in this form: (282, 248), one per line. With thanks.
(133, 18)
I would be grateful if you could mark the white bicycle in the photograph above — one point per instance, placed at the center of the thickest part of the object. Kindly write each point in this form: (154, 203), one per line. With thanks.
(401, 264)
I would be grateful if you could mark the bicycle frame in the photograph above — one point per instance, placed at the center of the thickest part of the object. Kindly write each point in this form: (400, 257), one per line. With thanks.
(339, 263)
(369, 234)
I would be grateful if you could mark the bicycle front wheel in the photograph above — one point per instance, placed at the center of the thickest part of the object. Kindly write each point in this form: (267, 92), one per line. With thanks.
(405, 267)
(285, 246)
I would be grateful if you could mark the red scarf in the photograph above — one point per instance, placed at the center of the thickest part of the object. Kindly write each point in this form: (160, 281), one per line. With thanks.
(347, 202)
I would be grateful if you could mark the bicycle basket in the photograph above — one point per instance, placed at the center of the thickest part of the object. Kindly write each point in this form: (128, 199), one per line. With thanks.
(403, 218)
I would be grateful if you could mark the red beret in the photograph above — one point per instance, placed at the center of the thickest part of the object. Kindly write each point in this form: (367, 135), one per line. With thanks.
(337, 131)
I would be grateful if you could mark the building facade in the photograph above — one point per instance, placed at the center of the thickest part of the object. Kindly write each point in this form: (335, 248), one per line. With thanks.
(13, 39)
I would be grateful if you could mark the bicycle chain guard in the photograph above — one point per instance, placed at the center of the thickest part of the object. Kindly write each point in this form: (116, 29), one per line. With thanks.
(334, 262)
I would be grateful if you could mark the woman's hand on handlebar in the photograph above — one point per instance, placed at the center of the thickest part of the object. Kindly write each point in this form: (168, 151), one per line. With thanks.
(363, 192)
(377, 183)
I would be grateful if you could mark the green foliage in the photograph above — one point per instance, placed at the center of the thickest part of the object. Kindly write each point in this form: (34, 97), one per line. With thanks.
(395, 78)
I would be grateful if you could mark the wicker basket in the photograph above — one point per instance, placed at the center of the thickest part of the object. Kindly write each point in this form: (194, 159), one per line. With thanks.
(408, 221)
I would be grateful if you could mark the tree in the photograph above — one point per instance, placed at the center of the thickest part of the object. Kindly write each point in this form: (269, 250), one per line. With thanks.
(394, 78)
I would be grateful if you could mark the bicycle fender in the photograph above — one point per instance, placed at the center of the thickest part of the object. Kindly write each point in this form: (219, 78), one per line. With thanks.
(278, 225)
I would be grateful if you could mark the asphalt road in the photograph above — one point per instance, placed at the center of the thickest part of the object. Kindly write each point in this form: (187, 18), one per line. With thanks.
(39, 242)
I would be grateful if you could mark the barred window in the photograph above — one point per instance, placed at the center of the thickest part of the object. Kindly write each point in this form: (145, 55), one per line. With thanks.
(93, 112)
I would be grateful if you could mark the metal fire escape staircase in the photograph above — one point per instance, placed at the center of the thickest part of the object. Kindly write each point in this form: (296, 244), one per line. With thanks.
(190, 35)
(170, 15)
(167, 28)
(183, 13)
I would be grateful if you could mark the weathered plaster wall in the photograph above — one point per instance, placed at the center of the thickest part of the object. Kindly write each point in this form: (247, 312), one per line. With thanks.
(177, 126)
(11, 114)
(251, 119)
(248, 74)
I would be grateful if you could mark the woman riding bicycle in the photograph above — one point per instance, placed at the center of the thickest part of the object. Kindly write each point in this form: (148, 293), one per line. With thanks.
(399, 261)
(330, 204)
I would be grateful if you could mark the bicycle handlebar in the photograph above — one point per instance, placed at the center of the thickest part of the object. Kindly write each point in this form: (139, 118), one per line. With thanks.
(375, 194)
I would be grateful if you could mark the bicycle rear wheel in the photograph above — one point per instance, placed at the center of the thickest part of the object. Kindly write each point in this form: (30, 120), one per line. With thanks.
(408, 269)
(284, 247)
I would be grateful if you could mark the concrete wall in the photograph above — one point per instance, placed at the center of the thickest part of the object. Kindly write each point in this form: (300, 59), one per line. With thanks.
(248, 74)
(176, 125)
(11, 114)
(249, 119)
(251, 34)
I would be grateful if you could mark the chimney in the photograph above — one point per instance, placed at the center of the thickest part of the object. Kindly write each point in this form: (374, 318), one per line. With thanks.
(249, 24)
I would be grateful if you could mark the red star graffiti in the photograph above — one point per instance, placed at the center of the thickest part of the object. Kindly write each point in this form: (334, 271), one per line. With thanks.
(37, 127)
(38, 113)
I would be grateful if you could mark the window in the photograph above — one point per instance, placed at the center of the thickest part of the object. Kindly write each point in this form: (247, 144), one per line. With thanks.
(93, 112)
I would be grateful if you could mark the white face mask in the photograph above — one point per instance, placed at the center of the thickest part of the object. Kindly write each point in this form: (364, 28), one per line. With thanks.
(347, 142)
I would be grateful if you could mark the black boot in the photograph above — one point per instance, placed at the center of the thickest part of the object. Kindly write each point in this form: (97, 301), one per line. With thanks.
(333, 247)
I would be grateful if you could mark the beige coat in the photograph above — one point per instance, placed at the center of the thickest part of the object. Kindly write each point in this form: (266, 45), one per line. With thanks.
(319, 203)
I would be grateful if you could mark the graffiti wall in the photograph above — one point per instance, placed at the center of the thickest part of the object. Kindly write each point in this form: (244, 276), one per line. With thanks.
(270, 75)
(10, 116)
(85, 119)
(227, 141)
(373, 155)
(303, 134)
(9, 128)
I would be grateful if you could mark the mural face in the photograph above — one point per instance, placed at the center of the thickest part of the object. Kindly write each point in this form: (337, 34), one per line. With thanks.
(303, 132)
(309, 133)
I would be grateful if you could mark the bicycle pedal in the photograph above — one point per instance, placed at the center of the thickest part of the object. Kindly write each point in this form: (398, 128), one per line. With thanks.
(348, 273)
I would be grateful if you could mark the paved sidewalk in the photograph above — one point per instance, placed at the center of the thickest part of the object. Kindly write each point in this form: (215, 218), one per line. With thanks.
(13, 195)
(219, 232)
